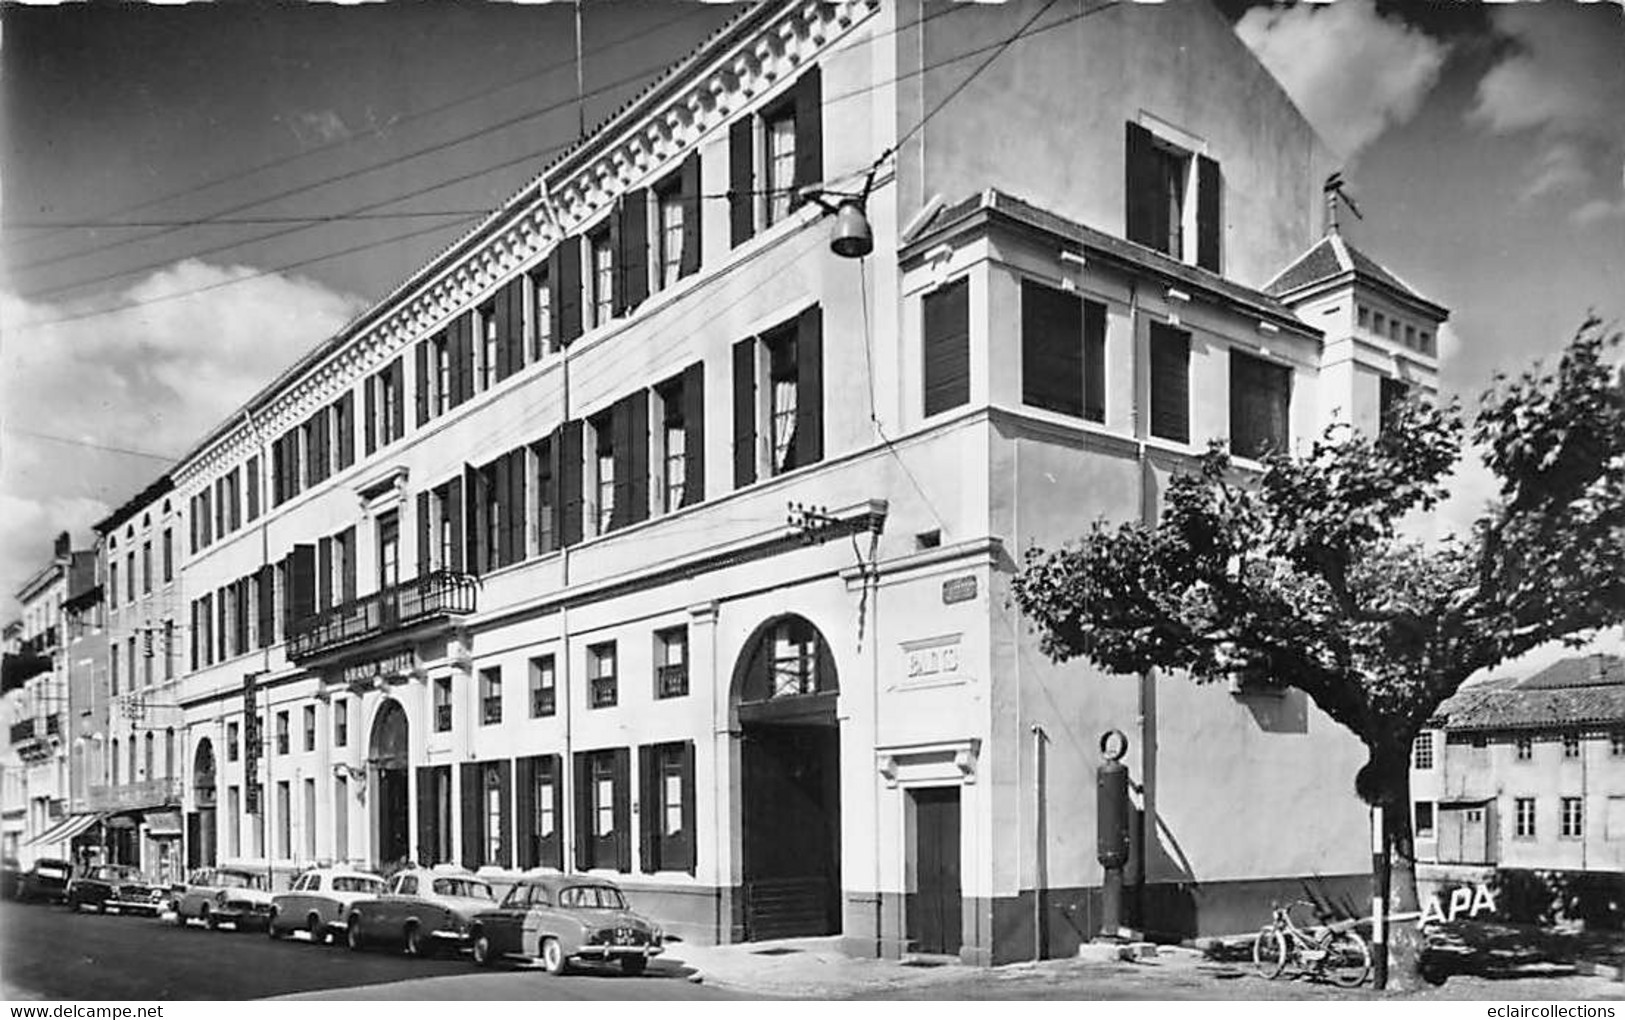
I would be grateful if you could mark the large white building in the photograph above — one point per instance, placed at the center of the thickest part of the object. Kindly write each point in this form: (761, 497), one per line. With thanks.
(639, 533)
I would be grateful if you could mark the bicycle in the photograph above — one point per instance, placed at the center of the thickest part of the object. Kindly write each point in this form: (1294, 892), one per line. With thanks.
(1335, 950)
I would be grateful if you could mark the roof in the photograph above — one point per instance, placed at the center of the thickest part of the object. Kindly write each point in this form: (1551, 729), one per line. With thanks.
(146, 497)
(554, 880)
(1584, 690)
(1579, 671)
(993, 204)
(1332, 261)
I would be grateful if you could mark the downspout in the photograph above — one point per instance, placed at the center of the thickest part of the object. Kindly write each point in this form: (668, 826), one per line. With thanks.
(1039, 947)
(1146, 708)
(566, 779)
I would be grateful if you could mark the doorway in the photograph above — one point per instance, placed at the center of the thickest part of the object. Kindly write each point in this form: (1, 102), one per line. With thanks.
(933, 907)
(387, 758)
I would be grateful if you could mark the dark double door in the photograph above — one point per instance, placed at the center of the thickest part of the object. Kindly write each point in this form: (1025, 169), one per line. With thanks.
(792, 830)
(934, 917)
(392, 815)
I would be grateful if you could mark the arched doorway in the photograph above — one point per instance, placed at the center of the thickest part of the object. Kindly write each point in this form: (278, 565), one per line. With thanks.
(783, 704)
(200, 823)
(387, 762)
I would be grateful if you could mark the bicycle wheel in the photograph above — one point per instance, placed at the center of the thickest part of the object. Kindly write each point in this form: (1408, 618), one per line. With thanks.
(1348, 959)
(1269, 952)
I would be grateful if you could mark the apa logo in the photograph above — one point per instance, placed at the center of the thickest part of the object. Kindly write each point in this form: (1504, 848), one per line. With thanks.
(1463, 900)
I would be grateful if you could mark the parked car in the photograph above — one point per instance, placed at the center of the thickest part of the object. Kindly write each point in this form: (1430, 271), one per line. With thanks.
(119, 887)
(421, 911)
(238, 896)
(47, 880)
(11, 877)
(319, 902)
(560, 918)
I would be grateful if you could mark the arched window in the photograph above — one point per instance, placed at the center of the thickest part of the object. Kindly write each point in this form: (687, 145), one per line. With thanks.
(169, 753)
(147, 762)
(113, 762)
(133, 775)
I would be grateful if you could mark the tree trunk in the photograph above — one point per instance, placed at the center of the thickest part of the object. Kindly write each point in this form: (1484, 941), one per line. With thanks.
(1405, 940)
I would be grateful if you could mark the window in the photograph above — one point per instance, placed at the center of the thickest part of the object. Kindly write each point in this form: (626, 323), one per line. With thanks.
(1616, 743)
(341, 723)
(1523, 817)
(490, 696)
(112, 585)
(147, 756)
(1379, 323)
(129, 576)
(442, 704)
(1170, 383)
(601, 675)
(169, 649)
(541, 329)
(780, 162)
(310, 727)
(604, 808)
(671, 662)
(788, 139)
(1365, 317)
(1571, 745)
(1063, 352)
(146, 568)
(310, 818)
(795, 659)
(1260, 401)
(682, 439)
(284, 819)
(169, 555)
(666, 813)
(1572, 818)
(1391, 395)
(604, 451)
(791, 397)
(234, 821)
(669, 233)
(233, 738)
(1424, 819)
(546, 496)
(282, 733)
(784, 378)
(1523, 748)
(945, 346)
(602, 277)
(543, 690)
(129, 656)
(488, 346)
(251, 484)
(1173, 196)
(442, 374)
(1422, 751)
(114, 779)
(539, 809)
(496, 796)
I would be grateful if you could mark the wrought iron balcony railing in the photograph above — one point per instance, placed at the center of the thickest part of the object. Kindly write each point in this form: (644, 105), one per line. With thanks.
(437, 594)
(604, 692)
(671, 681)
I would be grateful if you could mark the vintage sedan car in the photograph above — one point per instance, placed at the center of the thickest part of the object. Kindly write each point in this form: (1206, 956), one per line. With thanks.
(319, 902)
(119, 887)
(240, 897)
(561, 918)
(47, 880)
(421, 911)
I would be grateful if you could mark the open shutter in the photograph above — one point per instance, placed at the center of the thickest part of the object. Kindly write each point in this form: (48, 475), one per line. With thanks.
(347, 573)
(809, 133)
(1209, 213)
(690, 842)
(648, 811)
(741, 180)
(454, 509)
(469, 810)
(690, 185)
(632, 254)
(620, 425)
(623, 808)
(498, 310)
(584, 837)
(516, 506)
(555, 303)
(498, 495)
(1170, 383)
(324, 573)
(468, 343)
(526, 853)
(301, 584)
(694, 433)
(810, 386)
(421, 356)
(265, 582)
(426, 816)
(424, 534)
(346, 429)
(552, 851)
(567, 293)
(505, 834)
(1094, 361)
(476, 493)
(945, 343)
(617, 267)
(397, 372)
(252, 480)
(637, 489)
(744, 366)
(1140, 189)
(514, 337)
(569, 475)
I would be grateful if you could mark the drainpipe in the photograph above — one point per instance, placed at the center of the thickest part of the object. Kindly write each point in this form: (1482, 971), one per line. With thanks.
(1146, 702)
(1039, 947)
(566, 778)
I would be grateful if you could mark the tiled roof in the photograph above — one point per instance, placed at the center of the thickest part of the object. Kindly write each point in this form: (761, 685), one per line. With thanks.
(1578, 671)
(1568, 693)
(1317, 264)
(1333, 258)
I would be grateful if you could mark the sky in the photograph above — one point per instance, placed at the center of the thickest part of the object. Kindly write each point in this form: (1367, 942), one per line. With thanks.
(165, 168)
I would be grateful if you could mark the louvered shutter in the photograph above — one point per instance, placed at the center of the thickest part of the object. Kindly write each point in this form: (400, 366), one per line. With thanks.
(498, 309)
(475, 494)
(253, 482)
(693, 433)
(426, 816)
(637, 459)
(1141, 190)
(1051, 349)
(1094, 361)
(569, 477)
(469, 811)
(1170, 383)
(265, 581)
(324, 573)
(690, 843)
(648, 811)
(632, 255)
(347, 575)
(945, 346)
(454, 509)
(302, 584)
(424, 534)
(691, 195)
(526, 849)
(1260, 400)
(421, 355)
(555, 303)
(505, 814)
(567, 295)
(741, 180)
(585, 838)
(809, 387)
(809, 133)
(744, 373)
(622, 771)
(346, 429)
(397, 372)
(514, 338)
(1209, 213)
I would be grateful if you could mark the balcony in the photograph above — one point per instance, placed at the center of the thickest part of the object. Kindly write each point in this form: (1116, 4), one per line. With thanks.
(671, 681)
(148, 793)
(427, 599)
(603, 691)
(53, 725)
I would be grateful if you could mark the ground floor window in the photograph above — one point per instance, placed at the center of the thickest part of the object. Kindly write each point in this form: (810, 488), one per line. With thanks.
(604, 809)
(666, 815)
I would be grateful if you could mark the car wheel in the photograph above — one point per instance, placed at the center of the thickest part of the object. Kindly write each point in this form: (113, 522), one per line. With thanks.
(271, 928)
(352, 934)
(481, 950)
(316, 929)
(412, 941)
(553, 956)
(632, 966)
(209, 920)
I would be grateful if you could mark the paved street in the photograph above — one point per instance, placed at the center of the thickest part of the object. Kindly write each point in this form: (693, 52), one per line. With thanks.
(46, 952)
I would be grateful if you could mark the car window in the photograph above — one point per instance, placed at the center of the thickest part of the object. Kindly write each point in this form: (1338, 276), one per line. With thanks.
(308, 883)
(235, 880)
(356, 883)
(591, 897)
(518, 896)
(463, 887)
(408, 885)
(201, 877)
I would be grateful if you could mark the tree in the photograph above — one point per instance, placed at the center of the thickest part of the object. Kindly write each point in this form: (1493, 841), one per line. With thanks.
(1300, 576)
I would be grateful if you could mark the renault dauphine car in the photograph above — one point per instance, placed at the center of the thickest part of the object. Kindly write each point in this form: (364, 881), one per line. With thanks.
(236, 896)
(561, 918)
(421, 911)
(319, 901)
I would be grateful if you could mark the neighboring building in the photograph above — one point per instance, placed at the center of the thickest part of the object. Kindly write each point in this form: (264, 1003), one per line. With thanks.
(134, 722)
(84, 624)
(502, 573)
(1527, 774)
(13, 780)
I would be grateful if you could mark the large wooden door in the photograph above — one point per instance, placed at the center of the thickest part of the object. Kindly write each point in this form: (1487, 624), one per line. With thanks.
(934, 906)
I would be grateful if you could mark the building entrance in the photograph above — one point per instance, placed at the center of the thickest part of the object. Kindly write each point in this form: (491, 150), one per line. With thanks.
(387, 763)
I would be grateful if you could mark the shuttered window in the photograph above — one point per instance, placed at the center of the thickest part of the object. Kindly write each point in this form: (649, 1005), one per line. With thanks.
(788, 134)
(564, 270)
(1157, 194)
(631, 255)
(666, 814)
(792, 395)
(1170, 383)
(1260, 401)
(945, 346)
(539, 811)
(1391, 395)
(1063, 352)
(677, 224)
(603, 809)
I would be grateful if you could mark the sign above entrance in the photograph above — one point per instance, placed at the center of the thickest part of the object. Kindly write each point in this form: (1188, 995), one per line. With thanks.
(958, 589)
(363, 674)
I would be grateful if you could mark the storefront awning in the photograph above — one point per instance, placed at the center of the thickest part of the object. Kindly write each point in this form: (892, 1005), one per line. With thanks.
(66, 829)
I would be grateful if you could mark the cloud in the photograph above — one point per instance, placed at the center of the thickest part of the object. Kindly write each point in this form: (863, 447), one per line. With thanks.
(1449, 342)
(151, 377)
(1351, 71)
(317, 127)
(1559, 168)
(1599, 210)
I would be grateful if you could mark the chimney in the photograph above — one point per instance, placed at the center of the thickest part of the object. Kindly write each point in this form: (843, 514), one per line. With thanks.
(64, 546)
